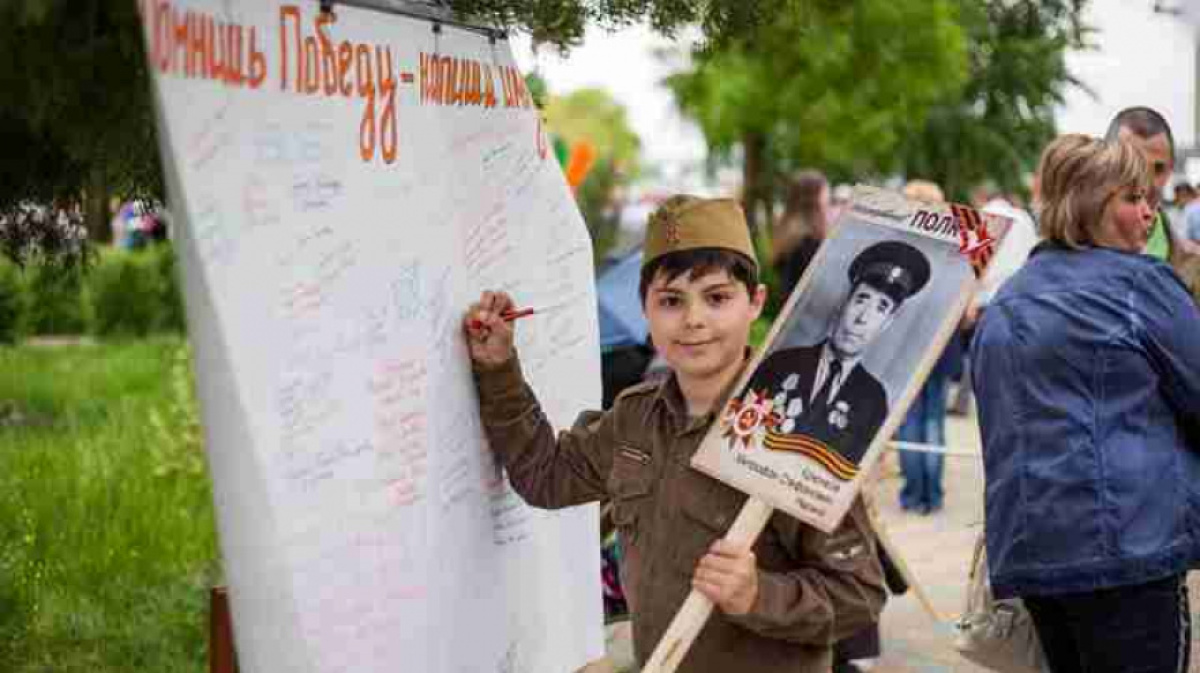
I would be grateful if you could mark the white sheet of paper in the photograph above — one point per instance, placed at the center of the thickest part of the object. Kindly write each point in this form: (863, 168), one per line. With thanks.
(341, 191)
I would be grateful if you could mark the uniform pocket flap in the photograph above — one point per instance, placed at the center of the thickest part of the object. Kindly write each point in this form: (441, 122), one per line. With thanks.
(630, 483)
(714, 507)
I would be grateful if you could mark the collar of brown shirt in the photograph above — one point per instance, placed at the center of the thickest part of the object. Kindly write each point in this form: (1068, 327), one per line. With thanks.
(670, 397)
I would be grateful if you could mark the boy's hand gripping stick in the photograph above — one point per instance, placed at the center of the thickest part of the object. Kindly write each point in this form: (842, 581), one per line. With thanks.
(697, 608)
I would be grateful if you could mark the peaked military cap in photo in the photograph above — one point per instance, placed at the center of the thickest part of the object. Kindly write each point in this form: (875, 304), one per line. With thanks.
(892, 267)
(687, 222)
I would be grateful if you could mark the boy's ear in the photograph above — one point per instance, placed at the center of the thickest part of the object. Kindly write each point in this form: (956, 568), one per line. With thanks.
(758, 300)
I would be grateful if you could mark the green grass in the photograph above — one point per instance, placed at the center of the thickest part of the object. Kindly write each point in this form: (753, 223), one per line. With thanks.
(105, 556)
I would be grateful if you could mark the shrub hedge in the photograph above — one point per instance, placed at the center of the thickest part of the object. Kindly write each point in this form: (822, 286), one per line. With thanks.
(12, 304)
(122, 294)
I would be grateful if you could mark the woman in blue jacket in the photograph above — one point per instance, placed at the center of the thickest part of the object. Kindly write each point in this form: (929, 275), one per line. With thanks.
(1088, 364)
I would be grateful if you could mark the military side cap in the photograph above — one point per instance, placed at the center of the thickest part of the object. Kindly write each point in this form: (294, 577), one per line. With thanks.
(689, 222)
(893, 267)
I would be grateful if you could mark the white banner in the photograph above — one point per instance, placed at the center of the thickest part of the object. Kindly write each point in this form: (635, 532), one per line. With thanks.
(343, 186)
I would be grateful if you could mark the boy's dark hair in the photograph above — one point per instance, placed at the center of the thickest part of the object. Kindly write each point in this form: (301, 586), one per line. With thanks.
(697, 262)
(1142, 122)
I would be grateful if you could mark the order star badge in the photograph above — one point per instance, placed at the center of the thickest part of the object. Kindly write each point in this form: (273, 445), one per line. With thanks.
(673, 237)
(743, 419)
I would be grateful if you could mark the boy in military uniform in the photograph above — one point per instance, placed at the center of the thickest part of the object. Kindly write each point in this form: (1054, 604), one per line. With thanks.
(830, 406)
(782, 603)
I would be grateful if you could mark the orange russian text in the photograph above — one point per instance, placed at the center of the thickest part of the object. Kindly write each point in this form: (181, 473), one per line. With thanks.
(195, 45)
(313, 64)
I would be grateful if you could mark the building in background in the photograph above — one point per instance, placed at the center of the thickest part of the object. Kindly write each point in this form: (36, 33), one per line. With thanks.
(1146, 53)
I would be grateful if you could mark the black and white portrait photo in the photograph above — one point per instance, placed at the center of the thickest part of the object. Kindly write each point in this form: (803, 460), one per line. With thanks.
(827, 401)
(847, 354)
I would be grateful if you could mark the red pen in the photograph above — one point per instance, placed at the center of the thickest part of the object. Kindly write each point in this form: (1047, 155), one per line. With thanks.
(515, 313)
(512, 314)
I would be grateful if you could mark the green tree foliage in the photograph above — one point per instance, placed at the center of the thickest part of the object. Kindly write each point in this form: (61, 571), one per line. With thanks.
(75, 112)
(835, 85)
(993, 131)
(593, 116)
(562, 22)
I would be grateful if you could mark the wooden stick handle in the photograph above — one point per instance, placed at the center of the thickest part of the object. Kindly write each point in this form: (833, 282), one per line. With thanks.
(697, 608)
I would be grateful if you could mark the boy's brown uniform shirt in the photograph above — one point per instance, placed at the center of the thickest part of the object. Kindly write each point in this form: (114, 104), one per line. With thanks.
(813, 588)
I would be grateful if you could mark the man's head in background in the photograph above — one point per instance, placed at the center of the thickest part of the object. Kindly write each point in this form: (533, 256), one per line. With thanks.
(1149, 131)
(1184, 194)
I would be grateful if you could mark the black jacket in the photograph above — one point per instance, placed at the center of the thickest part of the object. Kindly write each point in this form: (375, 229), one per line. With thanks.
(848, 424)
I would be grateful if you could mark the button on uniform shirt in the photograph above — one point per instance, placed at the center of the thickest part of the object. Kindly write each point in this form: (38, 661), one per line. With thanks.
(813, 588)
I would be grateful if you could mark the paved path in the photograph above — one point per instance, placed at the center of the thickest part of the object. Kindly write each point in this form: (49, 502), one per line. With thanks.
(937, 549)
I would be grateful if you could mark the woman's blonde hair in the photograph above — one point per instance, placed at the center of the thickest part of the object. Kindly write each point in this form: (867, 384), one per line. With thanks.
(924, 190)
(1079, 174)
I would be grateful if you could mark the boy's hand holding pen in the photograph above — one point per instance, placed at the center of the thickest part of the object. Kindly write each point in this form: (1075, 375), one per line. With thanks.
(489, 331)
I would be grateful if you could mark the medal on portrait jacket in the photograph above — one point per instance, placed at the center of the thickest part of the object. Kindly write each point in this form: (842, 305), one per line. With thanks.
(839, 415)
(745, 419)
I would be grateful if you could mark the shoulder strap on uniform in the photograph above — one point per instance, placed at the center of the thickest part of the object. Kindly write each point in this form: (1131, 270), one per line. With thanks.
(632, 410)
(639, 390)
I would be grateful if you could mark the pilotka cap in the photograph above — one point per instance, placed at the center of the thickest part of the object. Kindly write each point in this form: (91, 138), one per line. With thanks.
(689, 222)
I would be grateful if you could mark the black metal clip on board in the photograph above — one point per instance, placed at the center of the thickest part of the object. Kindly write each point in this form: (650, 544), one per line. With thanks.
(437, 12)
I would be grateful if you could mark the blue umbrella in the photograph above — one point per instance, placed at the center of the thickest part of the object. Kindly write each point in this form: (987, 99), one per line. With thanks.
(621, 320)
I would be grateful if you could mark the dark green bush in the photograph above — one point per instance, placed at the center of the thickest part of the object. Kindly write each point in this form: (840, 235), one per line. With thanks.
(170, 296)
(122, 295)
(12, 304)
(135, 294)
(54, 299)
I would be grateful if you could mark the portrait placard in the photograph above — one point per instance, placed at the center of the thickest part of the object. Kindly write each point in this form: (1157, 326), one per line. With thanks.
(848, 353)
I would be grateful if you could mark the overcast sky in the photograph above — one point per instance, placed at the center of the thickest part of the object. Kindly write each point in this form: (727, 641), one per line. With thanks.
(1143, 58)
(626, 64)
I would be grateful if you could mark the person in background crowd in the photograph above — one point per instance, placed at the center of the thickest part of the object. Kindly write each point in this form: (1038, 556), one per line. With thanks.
(1013, 251)
(801, 229)
(1088, 390)
(1184, 194)
(1185, 199)
(839, 201)
(925, 422)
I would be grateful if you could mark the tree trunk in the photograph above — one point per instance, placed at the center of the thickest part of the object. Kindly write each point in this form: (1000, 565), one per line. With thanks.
(756, 187)
(98, 219)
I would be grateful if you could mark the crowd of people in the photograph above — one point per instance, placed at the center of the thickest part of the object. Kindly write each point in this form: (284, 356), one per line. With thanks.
(1082, 348)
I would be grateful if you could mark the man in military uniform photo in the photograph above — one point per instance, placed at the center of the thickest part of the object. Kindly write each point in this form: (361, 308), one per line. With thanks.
(827, 405)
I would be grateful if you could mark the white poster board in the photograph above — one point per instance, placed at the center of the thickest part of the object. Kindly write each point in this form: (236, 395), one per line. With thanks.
(848, 353)
(342, 188)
